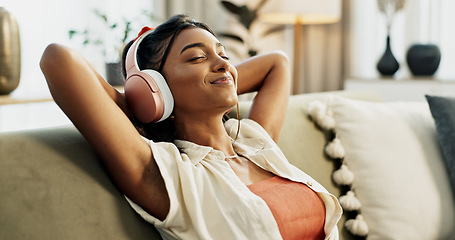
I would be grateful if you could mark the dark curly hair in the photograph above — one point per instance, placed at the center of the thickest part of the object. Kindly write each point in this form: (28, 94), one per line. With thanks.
(152, 54)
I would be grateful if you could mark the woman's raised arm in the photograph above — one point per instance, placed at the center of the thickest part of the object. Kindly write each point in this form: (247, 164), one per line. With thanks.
(97, 110)
(269, 74)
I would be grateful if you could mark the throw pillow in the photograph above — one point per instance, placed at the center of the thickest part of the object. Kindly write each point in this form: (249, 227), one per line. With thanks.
(443, 111)
(392, 162)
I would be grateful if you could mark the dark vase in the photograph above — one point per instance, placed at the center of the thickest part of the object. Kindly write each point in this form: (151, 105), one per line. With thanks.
(423, 59)
(388, 65)
(10, 52)
(114, 74)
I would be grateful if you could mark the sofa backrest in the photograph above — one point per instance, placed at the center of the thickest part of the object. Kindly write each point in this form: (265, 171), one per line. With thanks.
(53, 186)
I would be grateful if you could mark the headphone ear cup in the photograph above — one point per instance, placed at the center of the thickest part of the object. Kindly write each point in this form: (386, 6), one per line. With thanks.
(148, 96)
(163, 88)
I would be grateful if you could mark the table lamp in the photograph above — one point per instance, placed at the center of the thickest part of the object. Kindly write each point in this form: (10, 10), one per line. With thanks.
(298, 13)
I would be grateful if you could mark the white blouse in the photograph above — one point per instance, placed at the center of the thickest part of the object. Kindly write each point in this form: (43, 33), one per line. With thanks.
(209, 201)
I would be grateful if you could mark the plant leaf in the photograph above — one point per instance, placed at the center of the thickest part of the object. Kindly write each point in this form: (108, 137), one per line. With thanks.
(274, 30)
(247, 16)
(71, 33)
(231, 7)
(252, 52)
(231, 36)
(127, 31)
(260, 4)
(101, 15)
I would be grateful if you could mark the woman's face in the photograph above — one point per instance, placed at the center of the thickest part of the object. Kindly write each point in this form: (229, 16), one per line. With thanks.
(199, 74)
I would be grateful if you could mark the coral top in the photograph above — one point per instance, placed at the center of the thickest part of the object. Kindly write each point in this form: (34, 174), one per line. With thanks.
(298, 210)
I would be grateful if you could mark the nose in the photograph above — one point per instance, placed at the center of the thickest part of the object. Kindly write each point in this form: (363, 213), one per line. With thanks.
(221, 65)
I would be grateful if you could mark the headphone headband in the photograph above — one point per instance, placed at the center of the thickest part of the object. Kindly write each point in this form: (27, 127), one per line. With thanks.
(131, 59)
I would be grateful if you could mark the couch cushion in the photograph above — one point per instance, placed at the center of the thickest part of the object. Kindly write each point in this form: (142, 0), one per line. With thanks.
(443, 111)
(52, 186)
(303, 143)
(399, 175)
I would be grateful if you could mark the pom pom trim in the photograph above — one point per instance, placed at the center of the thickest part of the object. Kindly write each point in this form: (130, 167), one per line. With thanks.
(357, 226)
(343, 176)
(349, 202)
(335, 149)
(321, 113)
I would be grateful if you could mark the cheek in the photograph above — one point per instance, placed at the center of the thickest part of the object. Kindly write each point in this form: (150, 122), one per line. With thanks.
(185, 84)
(182, 88)
(185, 76)
(234, 74)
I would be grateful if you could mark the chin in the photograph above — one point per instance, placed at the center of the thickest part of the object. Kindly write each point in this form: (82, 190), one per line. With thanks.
(230, 104)
(233, 100)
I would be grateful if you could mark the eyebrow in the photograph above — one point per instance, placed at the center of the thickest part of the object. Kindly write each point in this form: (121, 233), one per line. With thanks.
(198, 45)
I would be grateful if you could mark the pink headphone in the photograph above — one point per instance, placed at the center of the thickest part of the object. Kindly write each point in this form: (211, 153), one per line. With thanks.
(146, 91)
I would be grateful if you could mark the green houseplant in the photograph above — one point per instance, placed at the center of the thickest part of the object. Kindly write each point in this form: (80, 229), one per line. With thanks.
(111, 39)
(247, 18)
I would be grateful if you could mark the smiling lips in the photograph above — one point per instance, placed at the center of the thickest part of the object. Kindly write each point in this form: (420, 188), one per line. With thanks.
(223, 80)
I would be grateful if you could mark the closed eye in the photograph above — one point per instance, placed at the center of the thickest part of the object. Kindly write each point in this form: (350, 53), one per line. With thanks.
(222, 53)
(196, 58)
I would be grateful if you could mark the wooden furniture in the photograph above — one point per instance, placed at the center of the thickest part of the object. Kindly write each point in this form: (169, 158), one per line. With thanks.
(403, 89)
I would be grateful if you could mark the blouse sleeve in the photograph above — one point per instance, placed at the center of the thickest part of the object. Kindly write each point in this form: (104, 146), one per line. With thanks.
(166, 156)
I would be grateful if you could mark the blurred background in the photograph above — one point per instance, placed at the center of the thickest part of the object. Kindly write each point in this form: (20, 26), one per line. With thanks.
(333, 44)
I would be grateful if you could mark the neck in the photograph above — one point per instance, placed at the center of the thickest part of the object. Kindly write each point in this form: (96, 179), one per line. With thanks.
(206, 132)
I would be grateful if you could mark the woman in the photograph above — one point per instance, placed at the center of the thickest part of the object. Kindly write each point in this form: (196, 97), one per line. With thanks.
(213, 180)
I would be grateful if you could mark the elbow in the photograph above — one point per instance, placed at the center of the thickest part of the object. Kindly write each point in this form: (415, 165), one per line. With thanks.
(54, 64)
(281, 58)
(49, 57)
(281, 62)
(56, 59)
(282, 65)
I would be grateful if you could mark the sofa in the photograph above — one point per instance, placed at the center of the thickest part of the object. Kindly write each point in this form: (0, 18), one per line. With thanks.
(53, 186)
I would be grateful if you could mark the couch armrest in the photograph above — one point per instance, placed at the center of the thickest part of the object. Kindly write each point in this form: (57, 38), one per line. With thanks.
(53, 186)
